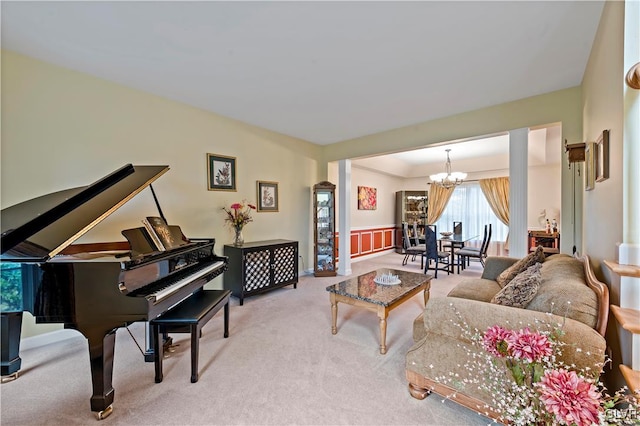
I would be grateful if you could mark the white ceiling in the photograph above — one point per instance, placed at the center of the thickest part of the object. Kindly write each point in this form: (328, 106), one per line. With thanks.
(321, 71)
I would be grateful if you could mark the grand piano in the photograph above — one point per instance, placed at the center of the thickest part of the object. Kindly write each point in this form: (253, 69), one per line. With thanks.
(93, 288)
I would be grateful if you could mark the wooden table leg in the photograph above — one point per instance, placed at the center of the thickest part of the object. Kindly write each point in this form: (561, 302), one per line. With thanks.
(383, 313)
(334, 313)
(426, 295)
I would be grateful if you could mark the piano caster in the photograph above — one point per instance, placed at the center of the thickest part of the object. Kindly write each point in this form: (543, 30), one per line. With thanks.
(104, 413)
(169, 350)
(10, 377)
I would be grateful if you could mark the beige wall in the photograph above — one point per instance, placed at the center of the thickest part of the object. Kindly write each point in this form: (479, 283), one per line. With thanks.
(386, 186)
(603, 108)
(61, 129)
(544, 193)
(603, 105)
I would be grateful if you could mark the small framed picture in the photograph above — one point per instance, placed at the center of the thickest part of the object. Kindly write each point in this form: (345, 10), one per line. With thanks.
(590, 166)
(267, 195)
(221, 172)
(602, 159)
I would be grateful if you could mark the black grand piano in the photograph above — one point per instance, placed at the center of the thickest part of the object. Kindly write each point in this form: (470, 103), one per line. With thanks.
(92, 288)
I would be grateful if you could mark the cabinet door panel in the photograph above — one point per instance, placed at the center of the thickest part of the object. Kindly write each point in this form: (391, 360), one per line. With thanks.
(257, 269)
(284, 264)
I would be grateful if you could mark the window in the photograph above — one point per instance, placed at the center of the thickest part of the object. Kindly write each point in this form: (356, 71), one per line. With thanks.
(469, 206)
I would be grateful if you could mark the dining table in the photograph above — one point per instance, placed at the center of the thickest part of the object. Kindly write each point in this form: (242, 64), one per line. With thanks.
(457, 241)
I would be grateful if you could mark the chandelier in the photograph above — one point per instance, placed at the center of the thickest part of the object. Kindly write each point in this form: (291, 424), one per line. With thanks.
(448, 179)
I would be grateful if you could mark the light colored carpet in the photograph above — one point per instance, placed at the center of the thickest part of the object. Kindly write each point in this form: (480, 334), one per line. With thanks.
(280, 366)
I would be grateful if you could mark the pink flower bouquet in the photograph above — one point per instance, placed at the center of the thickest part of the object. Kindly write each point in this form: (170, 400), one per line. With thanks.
(239, 214)
(543, 390)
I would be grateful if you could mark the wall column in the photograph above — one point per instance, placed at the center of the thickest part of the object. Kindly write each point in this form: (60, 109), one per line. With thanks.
(629, 250)
(625, 285)
(344, 217)
(518, 179)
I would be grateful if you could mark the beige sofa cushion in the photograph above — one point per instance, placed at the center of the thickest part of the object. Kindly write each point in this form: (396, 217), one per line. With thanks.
(520, 290)
(521, 265)
(479, 289)
(563, 290)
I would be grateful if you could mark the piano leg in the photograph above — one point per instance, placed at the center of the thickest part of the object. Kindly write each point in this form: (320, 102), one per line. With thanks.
(11, 325)
(101, 352)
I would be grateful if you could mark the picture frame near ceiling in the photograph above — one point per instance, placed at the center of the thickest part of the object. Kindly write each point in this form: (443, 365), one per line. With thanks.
(367, 198)
(221, 172)
(267, 196)
(590, 156)
(602, 158)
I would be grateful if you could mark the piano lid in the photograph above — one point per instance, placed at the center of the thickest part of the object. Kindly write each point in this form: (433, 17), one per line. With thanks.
(38, 229)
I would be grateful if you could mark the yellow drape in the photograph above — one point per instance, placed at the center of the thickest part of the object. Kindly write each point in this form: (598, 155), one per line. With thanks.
(438, 199)
(496, 191)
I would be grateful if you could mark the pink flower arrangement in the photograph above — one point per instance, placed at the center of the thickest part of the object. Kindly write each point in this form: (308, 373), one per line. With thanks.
(529, 346)
(494, 341)
(529, 384)
(570, 398)
(239, 214)
(545, 390)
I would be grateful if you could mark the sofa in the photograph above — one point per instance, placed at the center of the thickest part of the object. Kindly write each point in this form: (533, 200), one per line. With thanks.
(567, 294)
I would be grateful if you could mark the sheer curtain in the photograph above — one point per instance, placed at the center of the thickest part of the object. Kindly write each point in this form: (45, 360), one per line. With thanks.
(469, 206)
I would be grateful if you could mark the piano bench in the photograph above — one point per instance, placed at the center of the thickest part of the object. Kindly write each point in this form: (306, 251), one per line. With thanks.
(189, 316)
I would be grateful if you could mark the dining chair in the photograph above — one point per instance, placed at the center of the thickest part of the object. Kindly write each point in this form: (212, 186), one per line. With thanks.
(410, 249)
(457, 230)
(467, 253)
(416, 235)
(440, 259)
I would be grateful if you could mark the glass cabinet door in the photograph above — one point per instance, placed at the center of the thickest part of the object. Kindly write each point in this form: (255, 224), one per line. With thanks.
(324, 229)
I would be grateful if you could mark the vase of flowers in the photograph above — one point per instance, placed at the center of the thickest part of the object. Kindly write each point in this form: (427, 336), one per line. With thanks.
(530, 385)
(238, 215)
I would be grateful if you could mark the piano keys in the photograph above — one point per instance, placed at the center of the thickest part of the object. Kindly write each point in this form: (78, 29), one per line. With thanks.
(92, 288)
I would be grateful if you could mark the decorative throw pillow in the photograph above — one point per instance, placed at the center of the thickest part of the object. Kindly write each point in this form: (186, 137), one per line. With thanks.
(521, 290)
(521, 265)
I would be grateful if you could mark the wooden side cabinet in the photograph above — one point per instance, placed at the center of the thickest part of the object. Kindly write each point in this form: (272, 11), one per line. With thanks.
(256, 267)
(550, 242)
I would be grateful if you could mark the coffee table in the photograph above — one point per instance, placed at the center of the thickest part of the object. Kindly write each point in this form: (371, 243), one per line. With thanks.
(364, 292)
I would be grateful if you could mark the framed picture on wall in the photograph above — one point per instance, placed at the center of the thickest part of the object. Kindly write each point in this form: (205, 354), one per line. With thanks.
(590, 166)
(267, 195)
(221, 173)
(367, 198)
(602, 159)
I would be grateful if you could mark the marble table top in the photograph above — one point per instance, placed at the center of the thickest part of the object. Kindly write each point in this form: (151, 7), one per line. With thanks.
(364, 287)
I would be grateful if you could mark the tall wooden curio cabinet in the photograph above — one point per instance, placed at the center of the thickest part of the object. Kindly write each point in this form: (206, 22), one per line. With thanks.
(324, 225)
